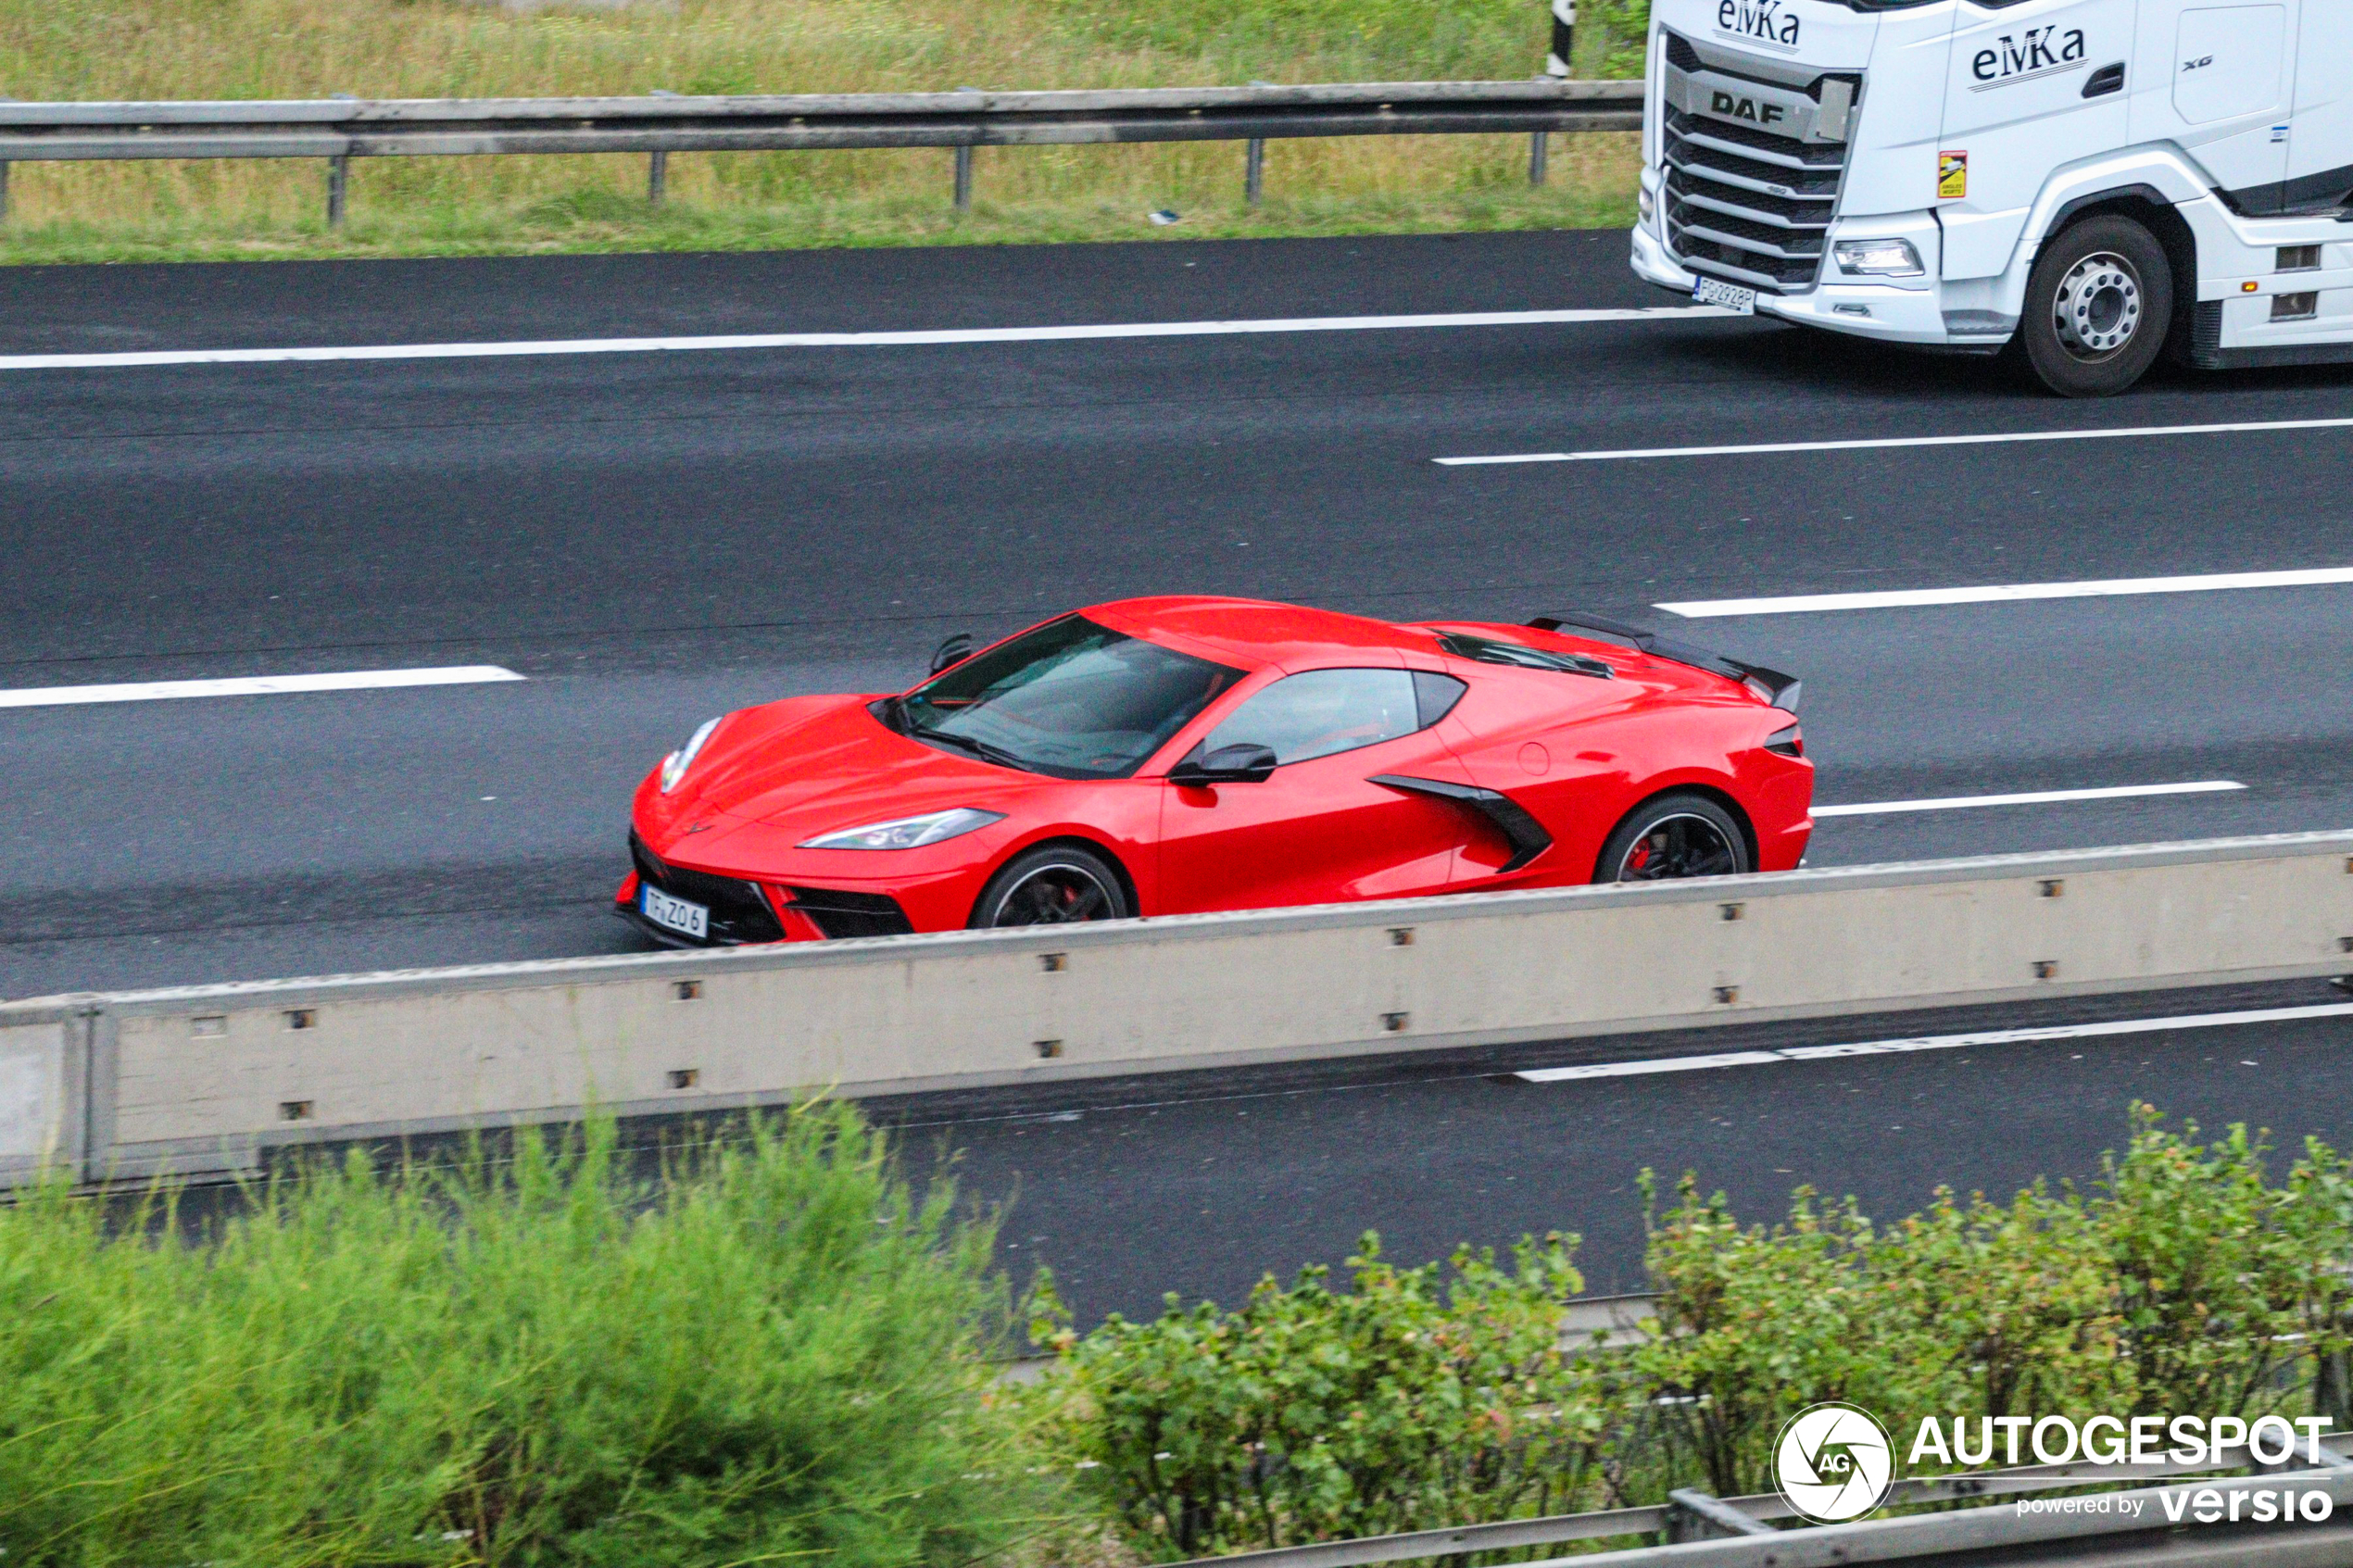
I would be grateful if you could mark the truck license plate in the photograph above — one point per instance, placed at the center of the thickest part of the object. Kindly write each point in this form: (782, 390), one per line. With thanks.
(675, 914)
(1731, 297)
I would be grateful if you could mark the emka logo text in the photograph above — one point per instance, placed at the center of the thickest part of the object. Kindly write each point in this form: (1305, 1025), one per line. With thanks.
(1763, 20)
(2037, 52)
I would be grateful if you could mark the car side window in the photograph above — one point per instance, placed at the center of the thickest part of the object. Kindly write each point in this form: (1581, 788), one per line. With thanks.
(1320, 712)
(1436, 694)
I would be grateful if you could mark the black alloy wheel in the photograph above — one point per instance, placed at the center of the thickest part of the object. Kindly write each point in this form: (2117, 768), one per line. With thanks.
(1673, 837)
(1055, 886)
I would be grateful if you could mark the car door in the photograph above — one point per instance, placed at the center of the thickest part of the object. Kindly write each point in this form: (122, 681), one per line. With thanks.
(2216, 79)
(1318, 829)
(2029, 86)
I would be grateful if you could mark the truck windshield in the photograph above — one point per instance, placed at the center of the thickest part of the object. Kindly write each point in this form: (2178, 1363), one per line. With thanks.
(1071, 699)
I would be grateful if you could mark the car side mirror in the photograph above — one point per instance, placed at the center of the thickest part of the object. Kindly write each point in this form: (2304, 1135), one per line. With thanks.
(1240, 763)
(952, 652)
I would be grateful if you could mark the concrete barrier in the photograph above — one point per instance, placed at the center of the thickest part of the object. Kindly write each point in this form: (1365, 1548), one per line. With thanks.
(205, 1079)
(44, 1066)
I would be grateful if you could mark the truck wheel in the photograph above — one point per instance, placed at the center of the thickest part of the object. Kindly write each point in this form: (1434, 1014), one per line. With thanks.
(2098, 305)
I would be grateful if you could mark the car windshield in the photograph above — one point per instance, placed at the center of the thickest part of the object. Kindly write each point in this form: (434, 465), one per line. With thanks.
(1072, 700)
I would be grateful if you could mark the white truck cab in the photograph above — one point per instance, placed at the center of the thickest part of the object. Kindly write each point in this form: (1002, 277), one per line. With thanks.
(2085, 183)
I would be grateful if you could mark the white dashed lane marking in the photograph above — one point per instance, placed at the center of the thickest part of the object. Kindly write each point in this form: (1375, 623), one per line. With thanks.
(255, 685)
(1992, 438)
(2011, 592)
(2033, 798)
(536, 348)
(1933, 1043)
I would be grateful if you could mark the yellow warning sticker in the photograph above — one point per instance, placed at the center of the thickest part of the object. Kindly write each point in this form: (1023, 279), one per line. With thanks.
(1952, 175)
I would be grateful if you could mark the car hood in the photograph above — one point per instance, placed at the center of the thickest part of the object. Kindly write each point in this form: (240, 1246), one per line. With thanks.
(820, 765)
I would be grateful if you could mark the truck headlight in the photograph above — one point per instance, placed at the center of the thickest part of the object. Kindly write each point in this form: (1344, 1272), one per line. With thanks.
(1878, 259)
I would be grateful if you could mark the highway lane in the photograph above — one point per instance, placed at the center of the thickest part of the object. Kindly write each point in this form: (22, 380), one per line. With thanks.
(651, 538)
(1237, 1176)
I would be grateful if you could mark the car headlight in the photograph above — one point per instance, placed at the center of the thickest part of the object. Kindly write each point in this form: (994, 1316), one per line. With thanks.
(674, 766)
(907, 833)
(1878, 259)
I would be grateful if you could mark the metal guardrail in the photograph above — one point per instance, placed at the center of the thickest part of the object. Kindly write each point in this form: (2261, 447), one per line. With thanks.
(339, 130)
(1738, 1532)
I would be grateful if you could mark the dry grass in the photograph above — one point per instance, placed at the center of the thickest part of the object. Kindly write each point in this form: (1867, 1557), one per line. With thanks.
(90, 49)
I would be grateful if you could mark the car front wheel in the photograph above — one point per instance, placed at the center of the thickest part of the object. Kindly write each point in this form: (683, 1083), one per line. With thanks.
(1674, 836)
(1053, 886)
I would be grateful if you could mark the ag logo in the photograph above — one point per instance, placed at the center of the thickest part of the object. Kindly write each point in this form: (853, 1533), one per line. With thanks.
(1834, 1463)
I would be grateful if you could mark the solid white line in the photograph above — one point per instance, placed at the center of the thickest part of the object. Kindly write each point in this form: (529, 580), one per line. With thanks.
(526, 349)
(2038, 797)
(2007, 593)
(1770, 448)
(1936, 1043)
(256, 686)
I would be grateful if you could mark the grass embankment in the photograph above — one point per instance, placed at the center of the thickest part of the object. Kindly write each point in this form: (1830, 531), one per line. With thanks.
(777, 1356)
(155, 49)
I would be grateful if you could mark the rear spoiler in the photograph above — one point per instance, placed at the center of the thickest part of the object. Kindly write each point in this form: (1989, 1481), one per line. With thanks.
(1781, 691)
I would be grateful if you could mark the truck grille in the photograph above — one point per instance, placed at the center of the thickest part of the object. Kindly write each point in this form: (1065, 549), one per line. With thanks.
(1746, 204)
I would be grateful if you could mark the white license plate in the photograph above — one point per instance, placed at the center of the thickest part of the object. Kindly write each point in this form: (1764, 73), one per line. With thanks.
(674, 914)
(1731, 297)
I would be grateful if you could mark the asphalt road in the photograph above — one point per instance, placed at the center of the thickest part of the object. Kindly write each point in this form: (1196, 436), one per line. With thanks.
(1235, 1175)
(651, 538)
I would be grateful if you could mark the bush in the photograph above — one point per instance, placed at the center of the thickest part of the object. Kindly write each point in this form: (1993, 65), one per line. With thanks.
(776, 1352)
(2184, 1283)
(1407, 1402)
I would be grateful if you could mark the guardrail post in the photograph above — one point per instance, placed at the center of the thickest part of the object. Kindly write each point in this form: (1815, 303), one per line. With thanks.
(964, 178)
(339, 172)
(657, 166)
(4, 191)
(1536, 150)
(1255, 170)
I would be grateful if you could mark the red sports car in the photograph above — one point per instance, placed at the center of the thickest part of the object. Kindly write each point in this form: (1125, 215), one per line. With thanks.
(1167, 756)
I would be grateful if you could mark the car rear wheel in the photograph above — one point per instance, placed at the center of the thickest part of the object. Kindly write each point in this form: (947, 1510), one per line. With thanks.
(1674, 836)
(1053, 886)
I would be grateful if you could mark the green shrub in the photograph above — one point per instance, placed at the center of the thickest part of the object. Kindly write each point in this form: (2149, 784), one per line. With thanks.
(2183, 1284)
(773, 1354)
(1409, 1401)
(1753, 1325)
(2208, 1276)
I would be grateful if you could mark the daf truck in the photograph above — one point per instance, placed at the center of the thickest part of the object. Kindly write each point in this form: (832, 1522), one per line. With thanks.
(2081, 184)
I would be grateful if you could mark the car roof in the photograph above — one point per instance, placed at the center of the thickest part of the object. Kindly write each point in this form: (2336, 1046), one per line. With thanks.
(1251, 632)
